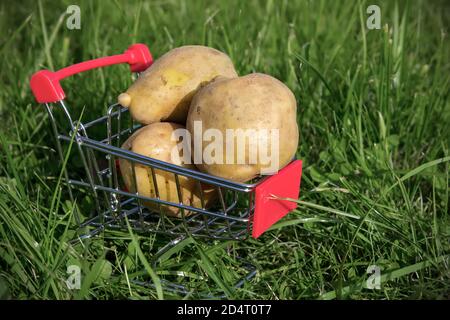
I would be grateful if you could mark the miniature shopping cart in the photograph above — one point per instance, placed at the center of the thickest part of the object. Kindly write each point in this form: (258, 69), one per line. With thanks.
(242, 209)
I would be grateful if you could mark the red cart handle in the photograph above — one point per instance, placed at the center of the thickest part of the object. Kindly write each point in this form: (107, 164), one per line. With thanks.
(45, 84)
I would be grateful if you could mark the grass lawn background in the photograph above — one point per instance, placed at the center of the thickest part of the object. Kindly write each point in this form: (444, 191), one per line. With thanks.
(374, 119)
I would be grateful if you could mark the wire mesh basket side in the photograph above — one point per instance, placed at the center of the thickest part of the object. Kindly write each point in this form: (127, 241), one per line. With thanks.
(100, 175)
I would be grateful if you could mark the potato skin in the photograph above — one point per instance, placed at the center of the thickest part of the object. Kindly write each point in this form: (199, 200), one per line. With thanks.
(155, 141)
(255, 101)
(164, 91)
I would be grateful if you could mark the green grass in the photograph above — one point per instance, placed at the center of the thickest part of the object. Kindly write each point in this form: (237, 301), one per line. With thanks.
(374, 118)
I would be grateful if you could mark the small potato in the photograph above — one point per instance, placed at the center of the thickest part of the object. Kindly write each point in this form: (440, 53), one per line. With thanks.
(248, 106)
(164, 91)
(155, 141)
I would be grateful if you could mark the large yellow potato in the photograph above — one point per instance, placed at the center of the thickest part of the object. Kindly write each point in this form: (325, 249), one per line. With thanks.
(164, 91)
(155, 141)
(255, 101)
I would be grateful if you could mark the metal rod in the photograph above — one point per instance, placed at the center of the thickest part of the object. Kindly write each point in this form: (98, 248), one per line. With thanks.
(163, 202)
(61, 158)
(157, 164)
(155, 185)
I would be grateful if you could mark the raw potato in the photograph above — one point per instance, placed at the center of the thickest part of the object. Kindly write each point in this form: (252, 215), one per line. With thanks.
(164, 91)
(155, 141)
(255, 101)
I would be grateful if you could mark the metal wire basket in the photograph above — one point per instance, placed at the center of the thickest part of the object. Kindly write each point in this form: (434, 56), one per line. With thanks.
(242, 209)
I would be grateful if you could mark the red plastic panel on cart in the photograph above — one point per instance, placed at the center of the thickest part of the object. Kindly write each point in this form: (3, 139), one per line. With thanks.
(268, 210)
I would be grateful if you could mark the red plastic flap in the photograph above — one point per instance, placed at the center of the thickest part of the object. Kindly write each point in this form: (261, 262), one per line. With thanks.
(46, 87)
(285, 184)
(140, 57)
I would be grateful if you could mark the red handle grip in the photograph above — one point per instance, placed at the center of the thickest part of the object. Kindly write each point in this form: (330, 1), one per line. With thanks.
(45, 84)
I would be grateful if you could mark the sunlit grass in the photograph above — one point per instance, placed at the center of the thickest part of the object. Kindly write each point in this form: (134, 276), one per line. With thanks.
(374, 119)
